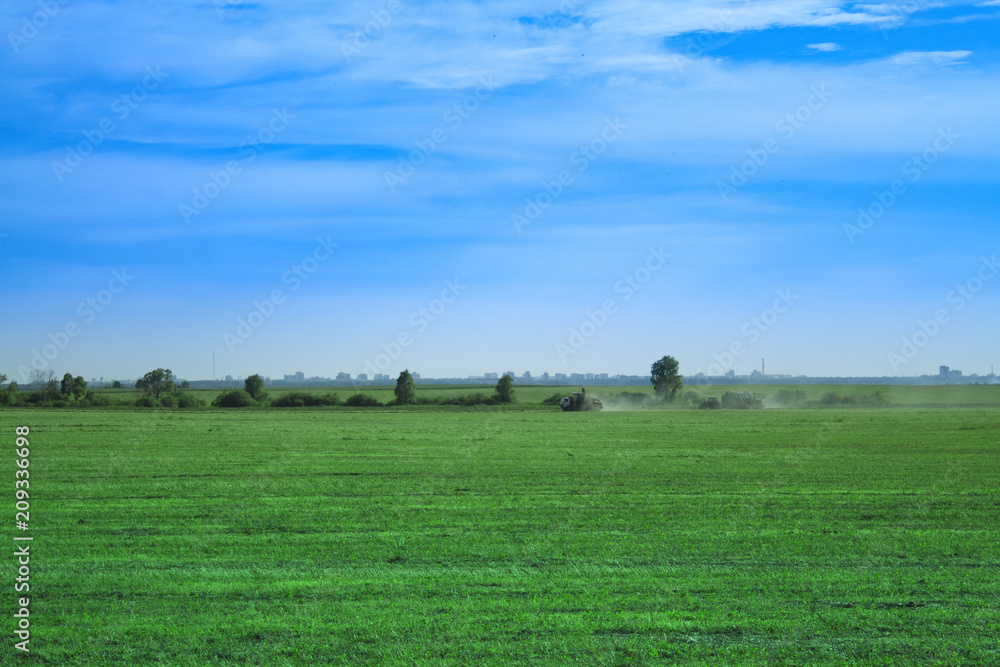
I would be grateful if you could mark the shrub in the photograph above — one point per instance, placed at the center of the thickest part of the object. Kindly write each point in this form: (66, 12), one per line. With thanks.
(295, 399)
(96, 400)
(468, 400)
(867, 399)
(362, 401)
(874, 398)
(463, 400)
(146, 402)
(301, 399)
(329, 398)
(236, 398)
(35, 398)
(190, 401)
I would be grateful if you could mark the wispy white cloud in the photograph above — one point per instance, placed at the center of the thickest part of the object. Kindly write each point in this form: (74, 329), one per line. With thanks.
(929, 58)
(825, 47)
(898, 8)
(656, 19)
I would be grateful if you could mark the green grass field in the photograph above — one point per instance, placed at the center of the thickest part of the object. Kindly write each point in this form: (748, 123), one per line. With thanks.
(486, 537)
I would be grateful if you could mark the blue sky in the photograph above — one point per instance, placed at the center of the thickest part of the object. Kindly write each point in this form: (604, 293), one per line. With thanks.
(568, 187)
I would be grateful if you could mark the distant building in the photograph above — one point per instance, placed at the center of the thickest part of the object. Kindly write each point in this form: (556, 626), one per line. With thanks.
(545, 376)
(363, 377)
(730, 374)
(415, 376)
(491, 376)
(946, 373)
(560, 376)
(343, 377)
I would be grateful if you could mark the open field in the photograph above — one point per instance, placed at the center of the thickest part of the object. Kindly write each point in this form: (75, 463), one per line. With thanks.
(824, 536)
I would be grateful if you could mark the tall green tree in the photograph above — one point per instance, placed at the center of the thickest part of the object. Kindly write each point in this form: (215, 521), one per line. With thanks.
(406, 392)
(156, 383)
(9, 395)
(666, 378)
(66, 386)
(505, 389)
(78, 387)
(254, 385)
(73, 386)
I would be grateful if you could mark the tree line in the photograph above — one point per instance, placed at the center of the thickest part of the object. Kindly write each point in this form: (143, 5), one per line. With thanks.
(253, 394)
(47, 391)
(159, 390)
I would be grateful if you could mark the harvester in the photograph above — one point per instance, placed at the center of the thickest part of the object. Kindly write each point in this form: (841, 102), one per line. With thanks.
(579, 402)
(742, 401)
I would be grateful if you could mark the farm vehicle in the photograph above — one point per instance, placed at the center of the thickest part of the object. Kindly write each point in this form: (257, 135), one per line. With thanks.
(579, 402)
(732, 400)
